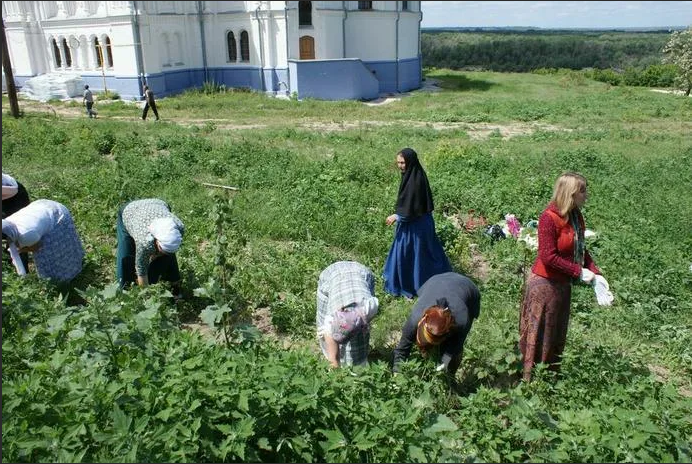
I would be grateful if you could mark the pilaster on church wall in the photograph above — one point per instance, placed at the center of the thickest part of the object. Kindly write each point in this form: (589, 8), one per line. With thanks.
(329, 26)
(11, 11)
(123, 48)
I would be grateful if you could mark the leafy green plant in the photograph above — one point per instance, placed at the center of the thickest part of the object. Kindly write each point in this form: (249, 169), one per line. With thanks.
(108, 95)
(228, 307)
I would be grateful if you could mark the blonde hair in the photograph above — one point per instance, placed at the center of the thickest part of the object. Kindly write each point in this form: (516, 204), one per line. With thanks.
(565, 187)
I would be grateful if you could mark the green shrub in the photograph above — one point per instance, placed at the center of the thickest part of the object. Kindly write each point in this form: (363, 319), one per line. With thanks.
(104, 142)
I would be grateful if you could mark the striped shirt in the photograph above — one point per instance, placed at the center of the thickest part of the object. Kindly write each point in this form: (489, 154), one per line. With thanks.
(137, 216)
(342, 284)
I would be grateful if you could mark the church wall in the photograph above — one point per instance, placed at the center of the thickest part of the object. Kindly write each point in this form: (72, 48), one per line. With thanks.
(171, 43)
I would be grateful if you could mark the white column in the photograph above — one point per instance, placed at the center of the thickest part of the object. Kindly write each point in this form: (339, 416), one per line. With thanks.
(74, 51)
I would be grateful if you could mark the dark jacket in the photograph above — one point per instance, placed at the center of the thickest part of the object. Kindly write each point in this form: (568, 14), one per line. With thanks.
(464, 301)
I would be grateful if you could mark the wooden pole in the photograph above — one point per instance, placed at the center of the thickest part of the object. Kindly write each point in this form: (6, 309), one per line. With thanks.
(9, 77)
(103, 68)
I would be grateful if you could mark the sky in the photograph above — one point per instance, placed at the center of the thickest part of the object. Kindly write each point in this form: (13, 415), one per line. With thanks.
(569, 14)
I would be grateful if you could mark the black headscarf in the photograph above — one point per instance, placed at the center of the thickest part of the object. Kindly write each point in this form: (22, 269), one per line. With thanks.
(415, 198)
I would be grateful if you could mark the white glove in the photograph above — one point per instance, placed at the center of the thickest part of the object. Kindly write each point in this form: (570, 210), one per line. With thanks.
(602, 290)
(586, 276)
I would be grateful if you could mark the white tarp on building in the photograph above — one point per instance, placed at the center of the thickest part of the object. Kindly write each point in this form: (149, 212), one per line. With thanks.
(53, 86)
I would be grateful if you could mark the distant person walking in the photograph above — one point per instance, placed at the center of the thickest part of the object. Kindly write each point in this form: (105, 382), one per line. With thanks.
(88, 100)
(149, 102)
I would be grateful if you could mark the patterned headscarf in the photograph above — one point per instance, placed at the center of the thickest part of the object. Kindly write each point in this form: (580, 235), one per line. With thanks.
(354, 319)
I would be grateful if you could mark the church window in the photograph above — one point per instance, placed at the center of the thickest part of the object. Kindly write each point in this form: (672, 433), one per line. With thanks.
(244, 46)
(97, 50)
(305, 13)
(109, 52)
(68, 56)
(232, 51)
(56, 53)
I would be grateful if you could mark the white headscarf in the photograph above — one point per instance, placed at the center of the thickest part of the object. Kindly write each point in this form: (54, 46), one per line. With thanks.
(9, 186)
(28, 238)
(166, 232)
(10, 230)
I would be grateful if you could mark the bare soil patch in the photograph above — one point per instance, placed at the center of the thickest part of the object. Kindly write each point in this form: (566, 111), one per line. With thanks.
(474, 130)
(661, 374)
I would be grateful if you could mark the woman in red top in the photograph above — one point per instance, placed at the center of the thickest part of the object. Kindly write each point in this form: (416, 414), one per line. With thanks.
(562, 259)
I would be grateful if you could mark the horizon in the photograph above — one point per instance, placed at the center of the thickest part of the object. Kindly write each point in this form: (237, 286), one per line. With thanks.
(536, 28)
(563, 15)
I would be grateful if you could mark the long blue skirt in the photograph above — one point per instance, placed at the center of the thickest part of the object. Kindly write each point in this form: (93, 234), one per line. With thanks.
(415, 256)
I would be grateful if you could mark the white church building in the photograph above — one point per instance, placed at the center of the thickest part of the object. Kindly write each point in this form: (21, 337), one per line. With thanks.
(331, 50)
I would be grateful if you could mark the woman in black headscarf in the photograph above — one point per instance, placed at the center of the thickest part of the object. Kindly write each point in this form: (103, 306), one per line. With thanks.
(416, 254)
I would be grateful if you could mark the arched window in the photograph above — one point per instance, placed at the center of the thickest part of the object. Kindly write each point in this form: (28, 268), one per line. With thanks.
(244, 46)
(305, 13)
(109, 52)
(179, 51)
(97, 51)
(232, 52)
(68, 55)
(56, 53)
(167, 56)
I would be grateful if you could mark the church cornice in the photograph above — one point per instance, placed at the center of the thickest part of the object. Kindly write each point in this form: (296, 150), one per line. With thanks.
(52, 24)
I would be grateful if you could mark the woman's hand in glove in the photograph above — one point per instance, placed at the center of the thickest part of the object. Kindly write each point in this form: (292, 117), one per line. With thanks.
(586, 276)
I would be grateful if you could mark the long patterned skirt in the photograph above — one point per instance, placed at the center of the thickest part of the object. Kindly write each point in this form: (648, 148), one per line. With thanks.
(544, 320)
(60, 254)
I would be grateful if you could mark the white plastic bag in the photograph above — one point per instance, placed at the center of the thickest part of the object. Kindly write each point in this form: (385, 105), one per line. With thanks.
(602, 290)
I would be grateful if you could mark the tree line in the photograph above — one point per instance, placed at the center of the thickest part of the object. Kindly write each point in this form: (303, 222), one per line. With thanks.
(632, 58)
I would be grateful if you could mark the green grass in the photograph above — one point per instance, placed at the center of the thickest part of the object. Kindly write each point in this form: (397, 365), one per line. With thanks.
(316, 183)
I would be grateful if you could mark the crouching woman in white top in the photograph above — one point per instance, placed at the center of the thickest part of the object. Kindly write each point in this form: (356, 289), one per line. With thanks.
(46, 229)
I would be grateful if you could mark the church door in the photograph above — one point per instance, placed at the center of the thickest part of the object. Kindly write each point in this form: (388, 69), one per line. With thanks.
(307, 48)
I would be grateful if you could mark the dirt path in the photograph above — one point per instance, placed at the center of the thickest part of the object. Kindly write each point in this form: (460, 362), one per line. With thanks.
(474, 130)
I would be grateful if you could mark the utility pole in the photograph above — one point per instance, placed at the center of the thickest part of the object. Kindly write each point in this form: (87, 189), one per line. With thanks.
(9, 77)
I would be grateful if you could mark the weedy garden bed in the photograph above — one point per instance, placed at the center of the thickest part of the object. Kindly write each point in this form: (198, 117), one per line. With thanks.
(91, 373)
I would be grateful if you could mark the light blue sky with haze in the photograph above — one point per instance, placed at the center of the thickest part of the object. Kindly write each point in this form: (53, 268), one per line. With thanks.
(569, 14)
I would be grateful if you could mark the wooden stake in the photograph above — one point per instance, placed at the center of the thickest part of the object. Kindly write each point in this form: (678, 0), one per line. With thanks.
(220, 186)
